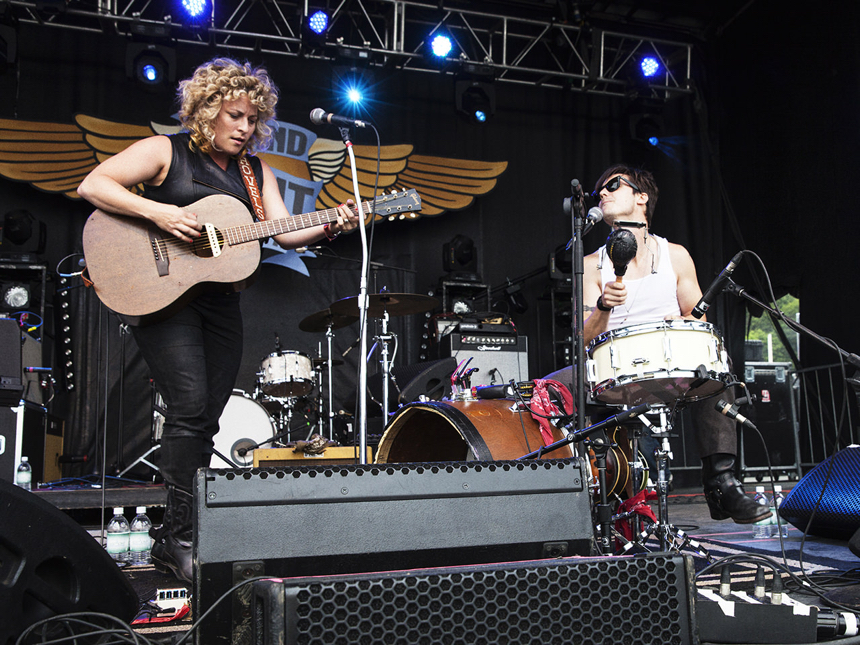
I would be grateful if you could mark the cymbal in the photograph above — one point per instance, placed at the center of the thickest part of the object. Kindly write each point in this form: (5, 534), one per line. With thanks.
(396, 304)
(321, 320)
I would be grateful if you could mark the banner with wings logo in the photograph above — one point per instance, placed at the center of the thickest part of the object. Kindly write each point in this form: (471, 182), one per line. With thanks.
(313, 173)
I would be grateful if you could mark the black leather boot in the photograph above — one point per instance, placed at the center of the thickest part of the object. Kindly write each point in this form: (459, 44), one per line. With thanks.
(172, 547)
(725, 494)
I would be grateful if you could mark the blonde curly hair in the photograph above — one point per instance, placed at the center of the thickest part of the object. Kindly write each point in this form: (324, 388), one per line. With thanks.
(224, 79)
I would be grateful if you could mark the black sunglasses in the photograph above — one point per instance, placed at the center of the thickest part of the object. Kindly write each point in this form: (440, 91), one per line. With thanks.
(613, 184)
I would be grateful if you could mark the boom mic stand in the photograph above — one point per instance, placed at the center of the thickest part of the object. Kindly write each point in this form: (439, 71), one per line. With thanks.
(574, 207)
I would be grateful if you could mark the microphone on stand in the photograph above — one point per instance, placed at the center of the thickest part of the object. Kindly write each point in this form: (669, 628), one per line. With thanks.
(321, 117)
(594, 216)
(716, 287)
(731, 412)
(277, 343)
(621, 248)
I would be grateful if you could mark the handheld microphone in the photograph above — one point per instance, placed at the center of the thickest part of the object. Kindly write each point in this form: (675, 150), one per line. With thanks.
(732, 413)
(321, 117)
(716, 287)
(504, 391)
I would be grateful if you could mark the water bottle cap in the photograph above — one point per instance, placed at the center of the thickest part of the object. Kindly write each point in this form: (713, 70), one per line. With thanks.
(117, 510)
(140, 510)
(759, 489)
(777, 488)
(24, 459)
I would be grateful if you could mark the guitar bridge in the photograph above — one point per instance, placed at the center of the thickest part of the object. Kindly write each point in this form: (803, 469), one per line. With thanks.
(159, 252)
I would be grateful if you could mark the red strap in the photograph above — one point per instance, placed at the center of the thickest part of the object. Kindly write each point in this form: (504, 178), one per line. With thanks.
(542, 404)
(253, 188)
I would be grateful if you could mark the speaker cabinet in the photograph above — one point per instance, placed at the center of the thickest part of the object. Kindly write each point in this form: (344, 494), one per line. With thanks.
(499, 358)
(28, 430)
(590, 601)
(356, 519)
(49, 565)
(838, 512)
(11, 385)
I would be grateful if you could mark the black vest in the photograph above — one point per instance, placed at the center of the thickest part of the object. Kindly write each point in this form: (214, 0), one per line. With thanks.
(194, 175)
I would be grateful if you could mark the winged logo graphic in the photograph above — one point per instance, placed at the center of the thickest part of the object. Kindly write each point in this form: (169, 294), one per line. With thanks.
(313, 173)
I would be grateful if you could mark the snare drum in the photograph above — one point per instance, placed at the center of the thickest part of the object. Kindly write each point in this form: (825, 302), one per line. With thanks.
(286, 374)
(483, 430)
(243, 424)
(657, 363)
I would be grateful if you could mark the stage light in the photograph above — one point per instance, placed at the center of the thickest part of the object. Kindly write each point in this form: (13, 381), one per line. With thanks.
(15, 296)
(646, 122)
(151, 65)
(650, 66)
(354, 95)
(476, 100)
(195, 12)
(318, 22)
(441, 45)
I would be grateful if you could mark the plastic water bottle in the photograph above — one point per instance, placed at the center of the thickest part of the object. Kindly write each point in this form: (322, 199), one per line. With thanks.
(24, 475)
(140, 543)
(761, 529)
(118, 533)
(778, 525)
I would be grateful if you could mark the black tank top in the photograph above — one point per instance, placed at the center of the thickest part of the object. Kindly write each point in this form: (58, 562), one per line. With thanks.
(194, 175)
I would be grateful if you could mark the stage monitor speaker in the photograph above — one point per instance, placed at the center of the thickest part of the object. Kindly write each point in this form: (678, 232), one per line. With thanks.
(11, 383)
(838, 512)
(584, 601)
(355, 519)
(49, 565)
(499, 358)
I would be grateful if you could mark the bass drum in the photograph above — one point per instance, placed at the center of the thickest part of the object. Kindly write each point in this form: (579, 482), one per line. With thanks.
(483, 430)
(243, 424)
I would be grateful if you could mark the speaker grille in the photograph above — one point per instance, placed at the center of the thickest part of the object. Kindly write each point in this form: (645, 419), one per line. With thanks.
(635, 600)
(838, 513)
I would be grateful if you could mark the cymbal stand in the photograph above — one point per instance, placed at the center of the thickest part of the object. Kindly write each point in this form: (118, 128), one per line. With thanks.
(385, 338)
(669, 536)
(329, 335)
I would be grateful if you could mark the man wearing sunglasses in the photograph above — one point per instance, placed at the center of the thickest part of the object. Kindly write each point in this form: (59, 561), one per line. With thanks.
(659, 283)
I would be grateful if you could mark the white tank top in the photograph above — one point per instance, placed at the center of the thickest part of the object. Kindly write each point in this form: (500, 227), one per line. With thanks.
(649, 299)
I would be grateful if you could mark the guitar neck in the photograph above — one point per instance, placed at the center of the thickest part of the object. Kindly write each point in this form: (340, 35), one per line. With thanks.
(268, 228)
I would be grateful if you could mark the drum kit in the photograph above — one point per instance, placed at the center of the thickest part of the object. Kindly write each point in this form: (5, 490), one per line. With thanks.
(290, 383)
(645, 373)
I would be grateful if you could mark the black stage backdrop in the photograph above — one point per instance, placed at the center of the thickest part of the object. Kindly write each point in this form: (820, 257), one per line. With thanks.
(761, 155)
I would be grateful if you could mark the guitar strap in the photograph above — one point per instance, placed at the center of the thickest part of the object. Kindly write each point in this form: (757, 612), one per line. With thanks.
(253, 188)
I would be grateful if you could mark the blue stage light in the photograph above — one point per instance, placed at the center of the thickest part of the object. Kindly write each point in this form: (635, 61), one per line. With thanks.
(654, 141)
(441, 45)
(151, 73)
(196, 10)
(480, 116)
(354, 95)
(318, 22)
(650, 66)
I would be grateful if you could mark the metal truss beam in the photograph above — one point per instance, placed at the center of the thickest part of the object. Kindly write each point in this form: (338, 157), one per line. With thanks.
(534, 51)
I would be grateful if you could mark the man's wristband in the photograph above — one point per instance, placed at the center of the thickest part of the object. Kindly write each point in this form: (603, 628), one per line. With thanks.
(601, 306)
(327, 231)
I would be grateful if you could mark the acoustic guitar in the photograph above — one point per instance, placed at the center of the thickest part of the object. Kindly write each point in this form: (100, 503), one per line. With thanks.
(145, 274)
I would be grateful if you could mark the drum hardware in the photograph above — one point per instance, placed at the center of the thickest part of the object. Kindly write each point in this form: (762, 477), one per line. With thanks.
(670, 537)
(242, 422)
(600, 447)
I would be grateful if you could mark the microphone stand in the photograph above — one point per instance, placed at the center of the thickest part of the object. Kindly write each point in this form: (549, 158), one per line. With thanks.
(735, 289)
(574, 207)
(362, 306)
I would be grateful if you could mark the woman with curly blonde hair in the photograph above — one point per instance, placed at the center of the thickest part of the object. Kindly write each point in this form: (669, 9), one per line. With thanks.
(227, 110)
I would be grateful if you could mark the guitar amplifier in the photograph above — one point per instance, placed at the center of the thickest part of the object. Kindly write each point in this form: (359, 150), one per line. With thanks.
(498, 357)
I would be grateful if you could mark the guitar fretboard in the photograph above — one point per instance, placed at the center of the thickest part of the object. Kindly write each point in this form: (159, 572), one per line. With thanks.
(259, 230)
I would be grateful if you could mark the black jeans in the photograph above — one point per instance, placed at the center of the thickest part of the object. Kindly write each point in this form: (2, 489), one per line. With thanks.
(194, 358)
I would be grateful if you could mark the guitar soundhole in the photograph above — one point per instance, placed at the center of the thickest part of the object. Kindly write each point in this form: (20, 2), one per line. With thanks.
(202, 246)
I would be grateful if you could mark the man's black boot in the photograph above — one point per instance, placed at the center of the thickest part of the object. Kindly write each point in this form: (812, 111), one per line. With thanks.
(725, 494)
(172, 547)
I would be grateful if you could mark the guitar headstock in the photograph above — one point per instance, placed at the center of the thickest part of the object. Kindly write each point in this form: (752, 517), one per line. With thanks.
(393, 204)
